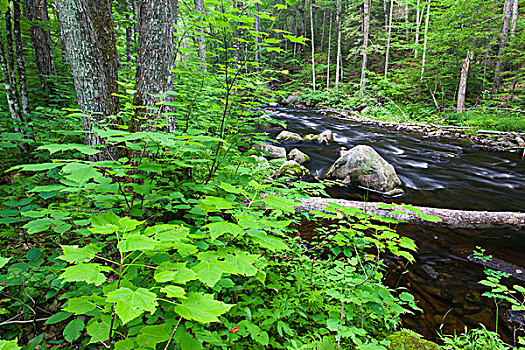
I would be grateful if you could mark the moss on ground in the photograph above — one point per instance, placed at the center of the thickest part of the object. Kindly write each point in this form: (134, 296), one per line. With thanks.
(409, 340)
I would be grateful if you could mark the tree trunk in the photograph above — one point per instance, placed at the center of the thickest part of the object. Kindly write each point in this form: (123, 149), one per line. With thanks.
(312, 42)
(257, 38)
(454, 219)
(423, 59)
(42, 44)
(366, 28)
(11, 56)
(154, 60)
(12, 102)
(323, 31)
(87, 29)
(419, 18)
(295, 30)
(507, 11)
(514, 21)
(20, 64)
(338, 58)
(199, 8)
(463, 82)
(389, 36)
(407, 29)
(328, 59)
(129, 31)
(63, 48)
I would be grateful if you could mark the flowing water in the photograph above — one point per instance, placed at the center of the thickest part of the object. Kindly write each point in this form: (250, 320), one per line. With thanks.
(435, 173)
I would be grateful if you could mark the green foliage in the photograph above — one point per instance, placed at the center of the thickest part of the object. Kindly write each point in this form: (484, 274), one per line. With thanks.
(474, 339)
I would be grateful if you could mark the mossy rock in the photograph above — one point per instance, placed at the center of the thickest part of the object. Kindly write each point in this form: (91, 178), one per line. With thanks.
(408, 340)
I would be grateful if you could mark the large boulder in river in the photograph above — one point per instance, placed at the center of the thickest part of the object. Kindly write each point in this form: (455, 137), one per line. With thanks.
(288, 135)
(363, 166)
(275, 152)
(298, 156)
(324, 137)
(292, 99)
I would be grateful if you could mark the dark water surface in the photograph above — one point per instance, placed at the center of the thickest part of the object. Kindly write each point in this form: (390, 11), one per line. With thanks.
(435, 173)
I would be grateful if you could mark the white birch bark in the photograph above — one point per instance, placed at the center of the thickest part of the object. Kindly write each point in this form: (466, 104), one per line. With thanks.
(338, 59)
(419, 17)
(366, 28)
(389, 36)
(507, 11)
(329, 52)
(312, 42)
(463, 82)
(514, 21)
(423, 59)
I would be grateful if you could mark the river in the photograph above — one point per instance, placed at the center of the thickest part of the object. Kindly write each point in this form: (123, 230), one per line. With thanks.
(435, 173)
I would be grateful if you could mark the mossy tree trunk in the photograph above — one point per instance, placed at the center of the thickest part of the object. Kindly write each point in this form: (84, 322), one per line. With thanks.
(87, 29)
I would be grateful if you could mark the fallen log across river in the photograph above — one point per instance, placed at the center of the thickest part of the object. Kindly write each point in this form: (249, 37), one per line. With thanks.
(450, 218)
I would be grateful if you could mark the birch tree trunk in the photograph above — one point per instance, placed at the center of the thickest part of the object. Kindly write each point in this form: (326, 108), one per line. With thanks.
(463, 82)
(257, 38)
(11, 56)
(312, 42)
(419, 17)
(129, 31)
(329, 53)
(155, 60)
(366, 28)
(42, 44)
(338, 58)
(199, 8)
(389, 36)
(295, 30)
(423, 59)
(507, 11)
(12, 102)
(87, 29)
(407, 29)
(514, 21)
(20, 64)
(323, 30)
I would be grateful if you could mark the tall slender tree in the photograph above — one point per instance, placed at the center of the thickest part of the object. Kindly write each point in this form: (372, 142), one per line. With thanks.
(312, 42)
(328, 58)
(366, 29)
(389, 37)
(338, 58)
(507, 13)
(463, 82)
(425, 41)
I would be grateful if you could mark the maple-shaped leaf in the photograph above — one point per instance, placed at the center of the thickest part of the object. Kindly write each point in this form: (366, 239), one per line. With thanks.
(202, 307)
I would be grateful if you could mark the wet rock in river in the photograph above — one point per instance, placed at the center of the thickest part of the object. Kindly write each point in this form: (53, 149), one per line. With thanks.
(298, 156)
(288, 135)
(292, 99)
(430, 271)
(273, 151)
(363, 166)
(324, 137)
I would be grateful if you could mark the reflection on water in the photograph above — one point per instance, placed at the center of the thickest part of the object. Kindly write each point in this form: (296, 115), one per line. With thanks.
(436, 174)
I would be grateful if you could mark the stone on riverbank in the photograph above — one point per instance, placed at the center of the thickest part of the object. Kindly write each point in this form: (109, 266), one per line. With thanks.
(363, 166)
(298, 156)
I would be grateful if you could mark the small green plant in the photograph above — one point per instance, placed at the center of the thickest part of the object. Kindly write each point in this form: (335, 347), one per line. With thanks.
(474, 339)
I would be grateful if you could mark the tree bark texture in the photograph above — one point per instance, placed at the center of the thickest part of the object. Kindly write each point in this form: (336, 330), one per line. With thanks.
(199, 8)
(12, 102)
(11, 56)
(20, 63)
(129, 31)
(338, 58)
(454, 219)
(87, 29)
(423, 59)
(514, 21)
(155, 59)
(366, 29)
(257, 37)
(328, 58)
(312, 43)
(389, 37)
(507, 11)
(463, 82)
(42, 44)
(419, 18)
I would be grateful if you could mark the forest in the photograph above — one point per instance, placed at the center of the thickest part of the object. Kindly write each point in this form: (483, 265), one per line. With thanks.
(150, 199)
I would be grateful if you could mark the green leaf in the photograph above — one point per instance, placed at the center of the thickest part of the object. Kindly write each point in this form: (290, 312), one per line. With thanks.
(231, 189)
(39, 225)
(210, 271)
(150, 336)
(98, 330)
(84, 149)
(73, 330)
(168, 233)
(131, 304)
(9, 345)
(220, 228)
(242, 264)
(125, 344)
(202, 307)
(174, 273)
(33, 343)
(89, 273)
(266, 241)
(280, 203)
(74, 254)
(211, 203)
(174, 291)
(430, 218)
(3, 261)
(58, 317)
(136, 241)
(80, 305)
